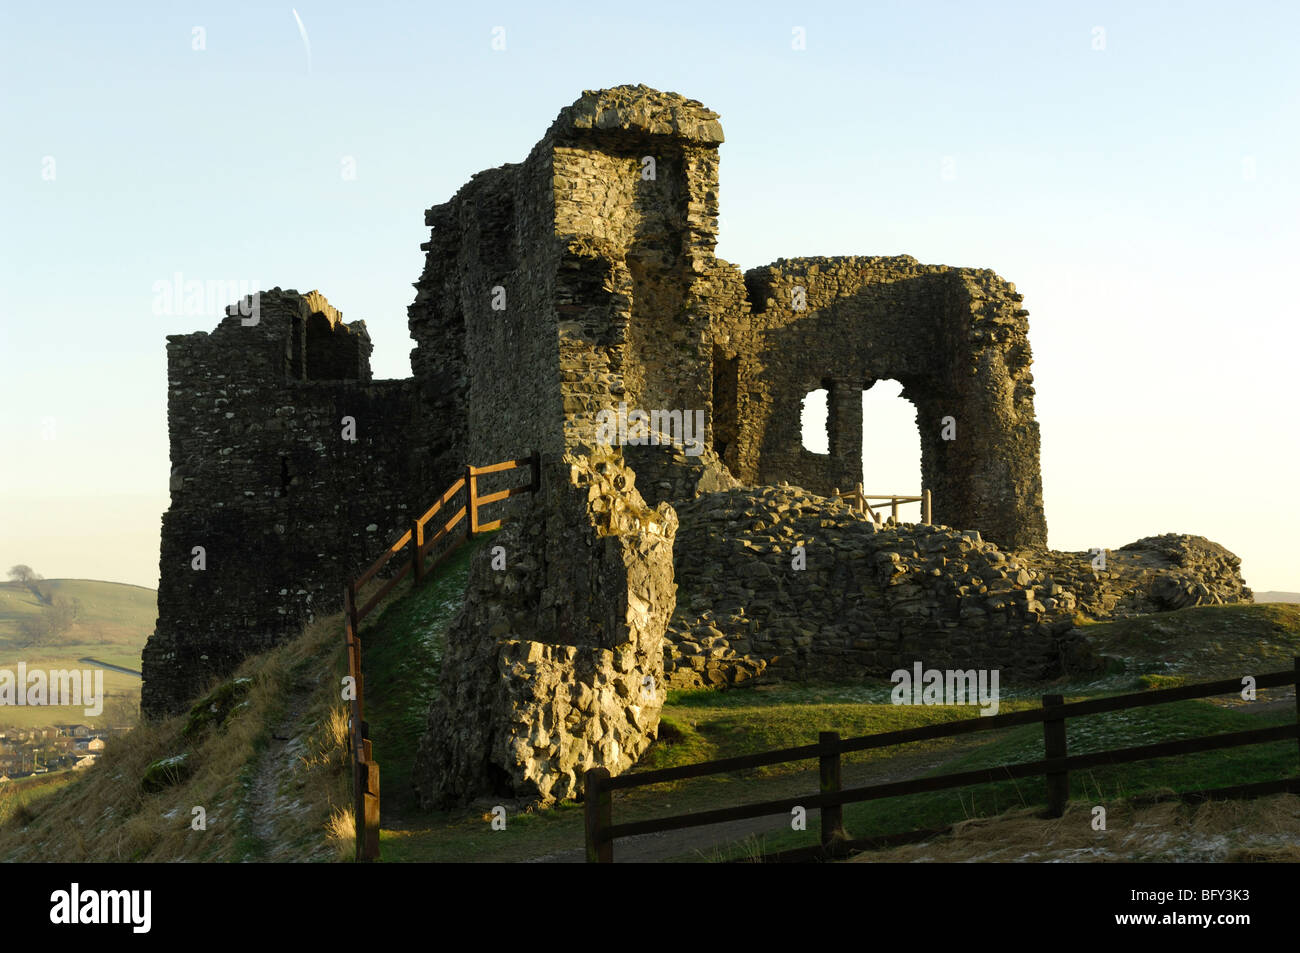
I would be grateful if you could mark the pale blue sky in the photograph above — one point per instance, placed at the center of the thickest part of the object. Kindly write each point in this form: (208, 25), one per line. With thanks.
(1143, 196)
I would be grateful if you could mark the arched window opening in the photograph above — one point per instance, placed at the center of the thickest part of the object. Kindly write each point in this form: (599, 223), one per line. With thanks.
(813, 419)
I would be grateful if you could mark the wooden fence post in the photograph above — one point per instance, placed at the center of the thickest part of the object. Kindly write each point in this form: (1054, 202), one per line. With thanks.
(363, 769)
(1058, 783)
(926, 515)
(359, 811)
(471, 502)
(417, 544)
(535, 461)
(358, 801)
(832, 818)
(893, 509)
(370, 810)
(597, 811)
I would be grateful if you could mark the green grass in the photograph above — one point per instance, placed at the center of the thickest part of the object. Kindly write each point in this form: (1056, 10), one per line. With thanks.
(19, 797)
(748, 721)
(1101, 732)
(465, 837)
(402, 655)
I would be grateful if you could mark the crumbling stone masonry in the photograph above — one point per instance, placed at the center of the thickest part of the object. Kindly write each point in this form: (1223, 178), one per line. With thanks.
(573, 285)
(272, 508)
(875, 599)
(592, 264)
(558, 657)
(957, 340)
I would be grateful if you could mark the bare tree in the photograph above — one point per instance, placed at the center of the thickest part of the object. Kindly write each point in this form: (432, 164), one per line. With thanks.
(49, 626)
(29, 577)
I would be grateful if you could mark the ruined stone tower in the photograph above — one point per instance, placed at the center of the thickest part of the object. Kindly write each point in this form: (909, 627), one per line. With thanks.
(274, 501)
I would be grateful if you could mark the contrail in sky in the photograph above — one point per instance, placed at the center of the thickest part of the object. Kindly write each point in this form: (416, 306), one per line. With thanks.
(305, 42)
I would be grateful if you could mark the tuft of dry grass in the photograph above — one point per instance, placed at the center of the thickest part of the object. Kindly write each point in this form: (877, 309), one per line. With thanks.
(1264, 829)
(342, 830)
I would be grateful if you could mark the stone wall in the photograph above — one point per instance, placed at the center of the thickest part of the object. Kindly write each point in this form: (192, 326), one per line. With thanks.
(591, 264)
(956, 339)
(284, 508)
(858, 601)
(555, 663)
(592, 258)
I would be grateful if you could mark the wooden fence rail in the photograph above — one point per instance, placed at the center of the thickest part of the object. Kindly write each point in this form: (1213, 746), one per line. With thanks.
(862, 502)
(1055, 767)
(365, 771)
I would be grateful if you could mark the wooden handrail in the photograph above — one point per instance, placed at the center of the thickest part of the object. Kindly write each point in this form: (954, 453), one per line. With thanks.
(1055, 767)
(498, 467)
(857, 496)
(451, 491)
(384, 590)
(945, 729)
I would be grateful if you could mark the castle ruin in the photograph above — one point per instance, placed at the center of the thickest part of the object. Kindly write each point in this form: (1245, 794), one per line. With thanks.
(582, 284)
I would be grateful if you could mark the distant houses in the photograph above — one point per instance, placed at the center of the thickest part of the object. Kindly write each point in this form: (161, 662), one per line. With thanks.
(74, 731)
(24, 752)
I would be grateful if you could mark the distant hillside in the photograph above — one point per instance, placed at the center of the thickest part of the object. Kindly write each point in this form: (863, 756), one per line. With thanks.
(1277, 597)
(113, 622)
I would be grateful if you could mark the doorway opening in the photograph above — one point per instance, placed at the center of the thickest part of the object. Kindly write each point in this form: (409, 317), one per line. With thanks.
(891, 444)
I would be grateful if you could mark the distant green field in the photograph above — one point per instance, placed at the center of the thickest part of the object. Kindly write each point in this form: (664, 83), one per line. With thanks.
(115, 621)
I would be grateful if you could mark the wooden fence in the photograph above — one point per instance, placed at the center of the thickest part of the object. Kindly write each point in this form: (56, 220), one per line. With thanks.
(862, 502)
(365, 771)
(601, 832)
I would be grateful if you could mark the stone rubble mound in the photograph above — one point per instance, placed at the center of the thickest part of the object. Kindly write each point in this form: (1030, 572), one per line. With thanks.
(875, 599)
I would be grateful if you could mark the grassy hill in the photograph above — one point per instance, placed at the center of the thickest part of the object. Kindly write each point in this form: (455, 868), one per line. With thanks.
(113, 624)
